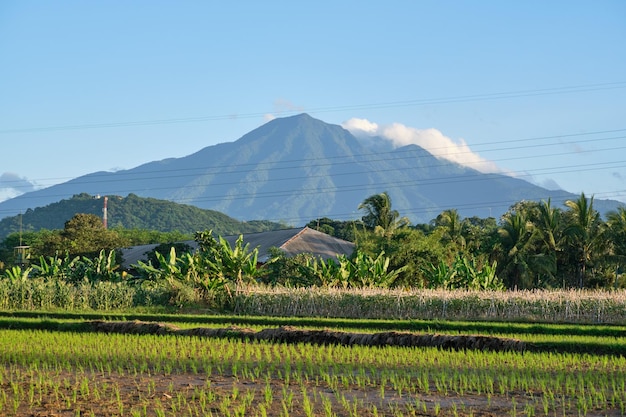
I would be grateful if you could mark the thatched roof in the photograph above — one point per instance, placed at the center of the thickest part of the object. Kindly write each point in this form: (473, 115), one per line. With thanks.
(290, 241)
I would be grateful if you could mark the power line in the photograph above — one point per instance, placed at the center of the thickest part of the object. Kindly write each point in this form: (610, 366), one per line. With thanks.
(273, 166)
(352, 159)
(329, 109)
(440, 180)
(365, 187)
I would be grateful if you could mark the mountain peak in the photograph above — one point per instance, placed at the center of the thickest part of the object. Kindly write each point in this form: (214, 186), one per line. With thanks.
(302, 120)
(298, 168)
(302, 136)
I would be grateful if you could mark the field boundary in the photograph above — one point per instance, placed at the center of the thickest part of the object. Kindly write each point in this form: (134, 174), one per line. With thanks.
(290, 334)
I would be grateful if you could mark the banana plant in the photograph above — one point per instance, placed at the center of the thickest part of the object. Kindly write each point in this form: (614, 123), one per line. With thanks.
(440, 276)
(193, 271)
(463, 273)
(236, 264)
(374, 272)
(325, 272)
(167, 269)
(101, 268)
(364, 271)
(487, 279)
(201, 275)
(55, 267)
(16, 274)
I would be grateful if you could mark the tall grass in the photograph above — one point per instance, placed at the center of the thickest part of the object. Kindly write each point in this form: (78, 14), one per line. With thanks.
(42, 294)
(557, 306)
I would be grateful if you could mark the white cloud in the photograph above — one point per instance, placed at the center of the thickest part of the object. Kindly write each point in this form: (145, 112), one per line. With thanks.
(282, 106)
(12, 185)
(8, 193)
(550, 184)
(431, 140)
(361, 126)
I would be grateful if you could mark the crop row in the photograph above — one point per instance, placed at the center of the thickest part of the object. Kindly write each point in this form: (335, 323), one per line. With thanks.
(554, 306)
(141, 375)
(596, 339)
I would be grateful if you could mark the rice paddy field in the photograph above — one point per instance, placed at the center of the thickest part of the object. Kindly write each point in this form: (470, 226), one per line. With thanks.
(62, 364)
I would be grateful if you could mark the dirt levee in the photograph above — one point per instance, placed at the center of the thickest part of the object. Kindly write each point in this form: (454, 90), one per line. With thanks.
(289, 334)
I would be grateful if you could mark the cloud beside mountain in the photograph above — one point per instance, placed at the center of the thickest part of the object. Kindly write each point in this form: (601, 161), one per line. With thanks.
(431, 140)
(12, 185)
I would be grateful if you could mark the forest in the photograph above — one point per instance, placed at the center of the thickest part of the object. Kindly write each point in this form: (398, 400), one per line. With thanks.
(535, 245)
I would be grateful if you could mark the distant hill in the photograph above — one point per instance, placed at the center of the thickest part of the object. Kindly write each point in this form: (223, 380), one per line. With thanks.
(295, 169)
(133, 212)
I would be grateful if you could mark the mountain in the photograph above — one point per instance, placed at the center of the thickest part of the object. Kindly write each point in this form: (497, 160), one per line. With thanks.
(296, 169)
(132, 212)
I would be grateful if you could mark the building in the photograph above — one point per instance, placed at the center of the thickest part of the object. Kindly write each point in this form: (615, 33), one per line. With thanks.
(290, 241)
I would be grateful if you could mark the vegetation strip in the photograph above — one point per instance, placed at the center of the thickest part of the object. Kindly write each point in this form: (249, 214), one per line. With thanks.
(595, 343)
(489, 327)
(289, 334)
(72, 373)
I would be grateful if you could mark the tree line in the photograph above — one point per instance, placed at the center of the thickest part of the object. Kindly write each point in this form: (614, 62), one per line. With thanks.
(533, 245)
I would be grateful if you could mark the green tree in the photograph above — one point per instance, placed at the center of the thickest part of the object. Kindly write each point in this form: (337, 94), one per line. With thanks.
(410, 250)
(84, 234)
(452, 225)
(48, 243)
(616, 231)
(301, 270)
(480, 236)
(379, 215)
(7, 247)
(516, 234)
(522, 261)
(340, 229)
(584, 234)
(549, 228)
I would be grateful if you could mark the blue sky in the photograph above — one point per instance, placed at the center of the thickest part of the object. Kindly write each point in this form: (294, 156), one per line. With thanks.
(533, 89)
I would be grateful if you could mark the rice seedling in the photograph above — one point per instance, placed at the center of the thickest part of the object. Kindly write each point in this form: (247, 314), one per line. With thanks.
(149, 374)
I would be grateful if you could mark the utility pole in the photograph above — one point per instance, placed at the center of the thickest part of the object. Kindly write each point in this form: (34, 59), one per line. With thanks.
(21, 252)
(105, 214)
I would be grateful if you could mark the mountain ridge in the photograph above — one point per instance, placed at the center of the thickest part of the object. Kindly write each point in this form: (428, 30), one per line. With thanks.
(131, 212)
(295, 169)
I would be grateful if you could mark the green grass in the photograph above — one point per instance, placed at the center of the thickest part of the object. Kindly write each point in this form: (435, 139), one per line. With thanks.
(83, 369)
(595, 339)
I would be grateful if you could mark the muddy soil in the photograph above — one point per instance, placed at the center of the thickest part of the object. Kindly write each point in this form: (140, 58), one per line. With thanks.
(73, 392)
(289, 334)
(186, 394)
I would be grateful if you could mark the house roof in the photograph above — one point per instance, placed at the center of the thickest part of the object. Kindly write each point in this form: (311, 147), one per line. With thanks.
(291, 241)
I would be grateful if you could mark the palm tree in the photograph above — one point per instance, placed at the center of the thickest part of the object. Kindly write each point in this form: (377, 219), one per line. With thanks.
(549, 223)
(584, 233)
(616, 221)
(453, 227)
(616, 224)
(549, 230)
(516, 234)
(379, 215)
